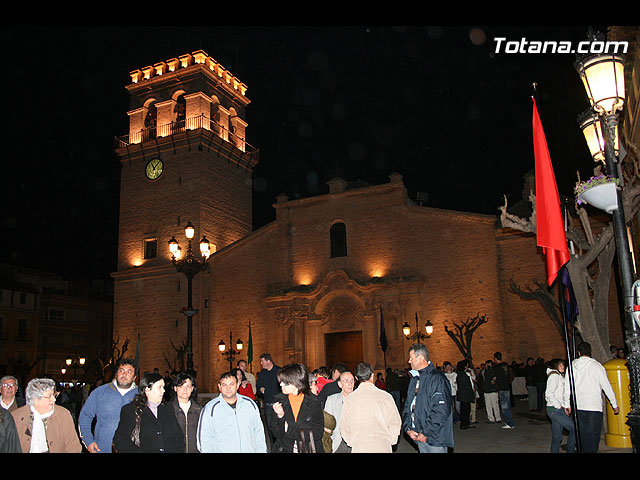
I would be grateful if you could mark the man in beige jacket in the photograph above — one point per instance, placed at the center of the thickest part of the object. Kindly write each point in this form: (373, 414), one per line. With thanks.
(370, 422)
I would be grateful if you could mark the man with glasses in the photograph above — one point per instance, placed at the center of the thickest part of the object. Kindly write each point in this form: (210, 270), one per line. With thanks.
(104, 406)
(8, 399)
(333, 406)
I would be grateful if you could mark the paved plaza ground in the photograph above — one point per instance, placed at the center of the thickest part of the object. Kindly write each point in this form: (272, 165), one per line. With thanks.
(531, 435)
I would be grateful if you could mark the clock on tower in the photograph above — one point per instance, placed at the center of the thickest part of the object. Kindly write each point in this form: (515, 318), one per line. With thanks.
(153, 169)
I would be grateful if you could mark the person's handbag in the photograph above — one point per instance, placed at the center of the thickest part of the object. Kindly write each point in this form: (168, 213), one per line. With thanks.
(303, 445)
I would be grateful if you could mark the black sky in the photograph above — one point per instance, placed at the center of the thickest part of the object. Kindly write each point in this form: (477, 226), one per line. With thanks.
(435, 104)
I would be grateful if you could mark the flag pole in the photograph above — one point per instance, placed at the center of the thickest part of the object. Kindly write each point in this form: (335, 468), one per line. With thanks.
(563, 290)
(551, 233)
(250, 349)
(383, 339)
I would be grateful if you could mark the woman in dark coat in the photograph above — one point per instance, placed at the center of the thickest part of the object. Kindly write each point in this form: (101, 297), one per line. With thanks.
(465, 394)
(147, 425)
(187, 409)
(299, 421)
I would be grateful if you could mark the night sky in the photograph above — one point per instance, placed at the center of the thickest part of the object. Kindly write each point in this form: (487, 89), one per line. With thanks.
(435, 104)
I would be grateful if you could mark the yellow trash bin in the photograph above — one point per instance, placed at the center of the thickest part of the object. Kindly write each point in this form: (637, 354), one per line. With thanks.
(618, 432)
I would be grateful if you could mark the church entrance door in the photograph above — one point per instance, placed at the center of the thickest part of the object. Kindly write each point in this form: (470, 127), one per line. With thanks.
(345, 347)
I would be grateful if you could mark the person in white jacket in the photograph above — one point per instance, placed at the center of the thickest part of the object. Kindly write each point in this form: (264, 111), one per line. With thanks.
(590, 380)
(230, 423)
(555, 398)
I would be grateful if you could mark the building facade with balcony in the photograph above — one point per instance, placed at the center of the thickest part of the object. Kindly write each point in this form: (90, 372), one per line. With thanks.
(46, 319)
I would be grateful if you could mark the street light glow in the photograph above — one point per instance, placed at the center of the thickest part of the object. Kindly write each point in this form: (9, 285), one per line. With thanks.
(189, 231)
(603, 79)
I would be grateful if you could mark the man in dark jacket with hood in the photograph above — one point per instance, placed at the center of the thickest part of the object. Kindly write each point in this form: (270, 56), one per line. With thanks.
(428, 416)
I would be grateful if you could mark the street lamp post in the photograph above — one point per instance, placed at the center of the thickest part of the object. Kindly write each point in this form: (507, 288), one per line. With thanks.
(75, 363)
(190, 265)
(418, 336)
(231, 353)
(603, 79)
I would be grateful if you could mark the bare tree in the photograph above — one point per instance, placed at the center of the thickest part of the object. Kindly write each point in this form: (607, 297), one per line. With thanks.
(549, 300)
(462, 334)
(21, 368)
(178, 362)
(108, 360)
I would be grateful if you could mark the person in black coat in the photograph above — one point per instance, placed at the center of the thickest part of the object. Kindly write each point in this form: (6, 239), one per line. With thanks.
(465, 393)
(147, 425)
(298, 423)
(540, 380)
(9, 440)
(186, 408)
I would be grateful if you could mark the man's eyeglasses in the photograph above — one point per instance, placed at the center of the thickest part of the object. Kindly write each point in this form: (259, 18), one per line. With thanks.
(9, 385)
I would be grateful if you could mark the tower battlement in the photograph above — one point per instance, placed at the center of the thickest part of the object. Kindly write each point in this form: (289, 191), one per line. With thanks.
(199, 57)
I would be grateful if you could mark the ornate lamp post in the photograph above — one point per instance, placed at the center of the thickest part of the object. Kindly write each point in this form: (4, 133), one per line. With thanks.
(190, 265)
(603, 79)
(75, 363)
(230, 354)
(418, 336)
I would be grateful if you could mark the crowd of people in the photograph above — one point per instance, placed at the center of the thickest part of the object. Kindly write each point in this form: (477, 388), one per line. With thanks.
(290, 409)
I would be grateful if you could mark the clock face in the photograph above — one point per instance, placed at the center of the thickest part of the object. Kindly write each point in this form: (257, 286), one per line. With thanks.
(154, 169)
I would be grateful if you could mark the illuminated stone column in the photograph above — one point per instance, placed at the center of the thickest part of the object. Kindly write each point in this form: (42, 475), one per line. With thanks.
(198, 109)
(238, 127)
(136, 124)
(165, 117)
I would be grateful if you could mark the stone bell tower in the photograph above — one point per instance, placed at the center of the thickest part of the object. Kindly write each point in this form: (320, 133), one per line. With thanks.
(185, 159)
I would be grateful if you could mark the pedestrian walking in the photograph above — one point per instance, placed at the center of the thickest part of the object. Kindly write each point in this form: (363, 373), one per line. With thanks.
(104, 405)
(428, 412)
(555, 398)
(369, 422)
(298, 423)
(590, 380)
(231, 423)
(147, 424)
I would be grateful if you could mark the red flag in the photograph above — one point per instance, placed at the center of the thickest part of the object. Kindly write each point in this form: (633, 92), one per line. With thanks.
(550, 225)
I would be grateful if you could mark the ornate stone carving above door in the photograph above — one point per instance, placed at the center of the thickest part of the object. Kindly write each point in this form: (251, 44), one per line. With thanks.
(342, 312)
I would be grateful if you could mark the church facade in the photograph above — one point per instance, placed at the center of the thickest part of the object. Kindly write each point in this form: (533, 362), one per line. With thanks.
(316, 284)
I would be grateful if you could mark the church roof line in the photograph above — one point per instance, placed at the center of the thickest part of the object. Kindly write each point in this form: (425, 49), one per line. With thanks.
(340, 187)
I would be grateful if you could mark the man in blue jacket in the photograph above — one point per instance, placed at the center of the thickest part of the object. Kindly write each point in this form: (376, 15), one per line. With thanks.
(428, 416)
(104, 405)
(231, 423)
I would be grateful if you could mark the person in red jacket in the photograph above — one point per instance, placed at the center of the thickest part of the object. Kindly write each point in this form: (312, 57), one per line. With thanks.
(245, 387)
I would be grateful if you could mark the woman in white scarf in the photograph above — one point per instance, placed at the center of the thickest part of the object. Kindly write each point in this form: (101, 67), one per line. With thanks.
(41, 408)
(42, 426)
